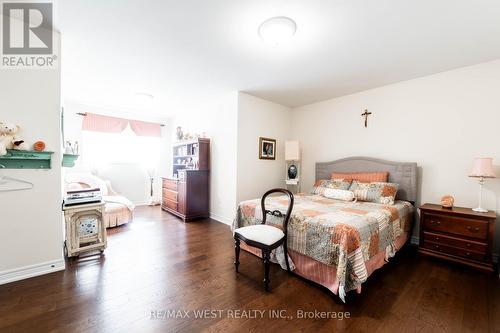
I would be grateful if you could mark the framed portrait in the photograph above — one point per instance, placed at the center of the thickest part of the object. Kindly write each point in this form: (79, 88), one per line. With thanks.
(267, 149)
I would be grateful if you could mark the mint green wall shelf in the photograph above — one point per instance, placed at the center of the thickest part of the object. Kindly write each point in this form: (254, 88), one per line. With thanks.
(24, 159)
(69, 160)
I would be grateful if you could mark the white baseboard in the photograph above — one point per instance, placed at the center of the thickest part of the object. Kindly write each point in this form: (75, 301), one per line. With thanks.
(25, 272)
(145, 203)
(221, 219)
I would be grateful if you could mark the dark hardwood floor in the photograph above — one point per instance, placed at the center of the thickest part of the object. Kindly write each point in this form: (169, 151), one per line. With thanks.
(158, 263)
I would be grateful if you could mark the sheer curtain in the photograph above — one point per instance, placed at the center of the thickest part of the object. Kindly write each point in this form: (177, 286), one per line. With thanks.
(124, 151)
(101, 149)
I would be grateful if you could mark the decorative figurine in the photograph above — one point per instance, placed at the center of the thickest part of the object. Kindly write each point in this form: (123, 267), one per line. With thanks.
(179, 133)
(292, 171)
(447, 201)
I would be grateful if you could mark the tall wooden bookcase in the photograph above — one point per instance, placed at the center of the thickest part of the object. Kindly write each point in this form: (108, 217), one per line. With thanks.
(187, 193)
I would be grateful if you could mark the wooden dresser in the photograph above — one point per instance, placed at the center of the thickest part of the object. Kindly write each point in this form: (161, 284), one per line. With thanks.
(457, 234)
(186, 194)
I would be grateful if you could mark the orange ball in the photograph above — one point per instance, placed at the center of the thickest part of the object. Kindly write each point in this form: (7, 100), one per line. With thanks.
(39, 146)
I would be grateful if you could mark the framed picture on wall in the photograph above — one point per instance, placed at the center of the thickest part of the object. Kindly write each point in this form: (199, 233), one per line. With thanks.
(267, 149)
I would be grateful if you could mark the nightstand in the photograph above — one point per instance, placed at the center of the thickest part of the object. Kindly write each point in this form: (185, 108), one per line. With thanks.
(457, 234)
(85, 230)
(293, 185)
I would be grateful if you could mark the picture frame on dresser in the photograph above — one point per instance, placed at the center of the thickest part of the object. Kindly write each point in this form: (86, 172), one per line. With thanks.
(458, 234)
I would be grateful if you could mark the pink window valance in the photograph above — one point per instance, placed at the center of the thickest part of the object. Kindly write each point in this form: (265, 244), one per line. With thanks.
(99, 123)
(145, 128)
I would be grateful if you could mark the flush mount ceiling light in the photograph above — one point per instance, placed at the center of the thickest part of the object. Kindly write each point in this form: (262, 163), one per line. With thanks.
(277, 30)
(143, 98)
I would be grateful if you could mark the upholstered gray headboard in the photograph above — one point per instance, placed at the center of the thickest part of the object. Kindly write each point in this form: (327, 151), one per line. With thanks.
(403, 173)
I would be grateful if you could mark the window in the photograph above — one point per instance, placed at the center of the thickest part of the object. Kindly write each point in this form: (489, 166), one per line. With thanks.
(100, 148)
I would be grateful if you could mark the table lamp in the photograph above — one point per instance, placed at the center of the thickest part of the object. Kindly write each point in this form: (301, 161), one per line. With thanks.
(483, 168)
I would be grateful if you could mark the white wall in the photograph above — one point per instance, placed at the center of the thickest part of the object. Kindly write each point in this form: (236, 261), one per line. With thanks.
(260, 118)
(129, 179)
(234, 122)
(31, 228)
(441, 121)
(217, 117)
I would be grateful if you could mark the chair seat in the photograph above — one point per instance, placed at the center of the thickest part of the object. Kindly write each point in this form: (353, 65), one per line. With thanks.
(261, 233)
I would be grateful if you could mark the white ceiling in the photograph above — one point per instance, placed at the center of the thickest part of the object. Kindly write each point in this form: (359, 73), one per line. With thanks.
(178, 50)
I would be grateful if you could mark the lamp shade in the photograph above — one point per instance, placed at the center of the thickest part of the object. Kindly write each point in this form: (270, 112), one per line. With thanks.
(292, 150)
(483, 167)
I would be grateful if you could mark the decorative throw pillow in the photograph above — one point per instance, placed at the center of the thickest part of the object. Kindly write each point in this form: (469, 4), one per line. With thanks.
(364, 177)
(378, 192)
(344, 195)
(338, 184)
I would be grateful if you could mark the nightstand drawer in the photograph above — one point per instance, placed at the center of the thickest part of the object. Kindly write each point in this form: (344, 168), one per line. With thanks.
(456, 242)
(456, 225)
(454, 251)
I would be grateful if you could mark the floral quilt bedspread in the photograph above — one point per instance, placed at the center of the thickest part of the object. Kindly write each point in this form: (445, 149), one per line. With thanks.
(338, 233)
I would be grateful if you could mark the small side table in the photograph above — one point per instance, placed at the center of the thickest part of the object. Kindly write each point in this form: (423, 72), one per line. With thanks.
(293, 185)
(85, 230)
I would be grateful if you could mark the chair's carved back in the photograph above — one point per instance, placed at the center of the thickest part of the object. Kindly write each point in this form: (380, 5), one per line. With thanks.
(277, 213)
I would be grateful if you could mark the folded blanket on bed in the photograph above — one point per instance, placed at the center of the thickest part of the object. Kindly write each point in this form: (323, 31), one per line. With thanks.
(337, 233)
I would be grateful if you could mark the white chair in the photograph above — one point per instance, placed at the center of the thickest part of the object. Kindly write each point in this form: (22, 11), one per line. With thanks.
(265, 237)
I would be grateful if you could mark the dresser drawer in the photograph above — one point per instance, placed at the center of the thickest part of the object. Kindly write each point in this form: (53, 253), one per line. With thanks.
(456, 225)
(170, 195)
(170, 184)
(170, 204)
(454, 251)
(454, 241)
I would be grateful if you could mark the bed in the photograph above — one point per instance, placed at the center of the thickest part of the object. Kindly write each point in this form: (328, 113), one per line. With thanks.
(118, 210)
(339, 244)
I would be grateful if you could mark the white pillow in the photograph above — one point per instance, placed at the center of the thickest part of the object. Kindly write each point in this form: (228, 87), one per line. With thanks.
(344, 195)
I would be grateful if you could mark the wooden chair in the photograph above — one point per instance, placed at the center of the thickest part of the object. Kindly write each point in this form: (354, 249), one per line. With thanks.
(265, 237)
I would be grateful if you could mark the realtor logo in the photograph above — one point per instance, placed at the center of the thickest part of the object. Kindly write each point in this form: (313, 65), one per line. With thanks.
(27, 34)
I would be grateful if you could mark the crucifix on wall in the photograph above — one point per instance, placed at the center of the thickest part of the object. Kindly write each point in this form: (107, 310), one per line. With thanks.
(366, 114)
